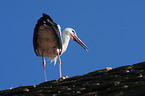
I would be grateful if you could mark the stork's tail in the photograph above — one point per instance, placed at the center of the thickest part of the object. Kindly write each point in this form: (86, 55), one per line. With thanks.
(53, 60)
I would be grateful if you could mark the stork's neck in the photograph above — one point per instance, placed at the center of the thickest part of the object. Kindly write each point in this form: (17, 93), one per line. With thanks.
(66, 39)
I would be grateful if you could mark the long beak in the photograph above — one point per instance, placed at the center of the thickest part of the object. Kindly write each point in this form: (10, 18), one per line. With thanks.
(81, 43)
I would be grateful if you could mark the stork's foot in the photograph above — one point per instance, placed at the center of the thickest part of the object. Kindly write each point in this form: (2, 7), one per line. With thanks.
(108, 68)
(62, 78)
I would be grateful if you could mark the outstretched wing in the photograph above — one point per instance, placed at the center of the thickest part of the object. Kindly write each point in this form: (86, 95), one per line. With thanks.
(47, 36)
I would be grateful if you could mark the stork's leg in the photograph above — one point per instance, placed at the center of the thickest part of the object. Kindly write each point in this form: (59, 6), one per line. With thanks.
(44, 63)
(59, 62)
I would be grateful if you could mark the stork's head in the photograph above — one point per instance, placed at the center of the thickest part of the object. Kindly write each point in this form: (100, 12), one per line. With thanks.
(73, 36)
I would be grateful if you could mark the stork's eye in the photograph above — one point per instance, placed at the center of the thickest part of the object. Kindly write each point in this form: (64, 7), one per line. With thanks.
(73, 31)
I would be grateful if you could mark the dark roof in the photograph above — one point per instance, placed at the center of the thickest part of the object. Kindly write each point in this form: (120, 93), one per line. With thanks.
(122, 81)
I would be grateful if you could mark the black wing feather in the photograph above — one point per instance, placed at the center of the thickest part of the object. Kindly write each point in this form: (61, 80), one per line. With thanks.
(46, 19)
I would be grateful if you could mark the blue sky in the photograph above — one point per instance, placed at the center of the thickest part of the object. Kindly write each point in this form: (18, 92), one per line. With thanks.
(114, 31)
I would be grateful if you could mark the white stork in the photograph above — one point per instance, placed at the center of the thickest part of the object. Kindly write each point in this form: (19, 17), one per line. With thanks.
(47, 40)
